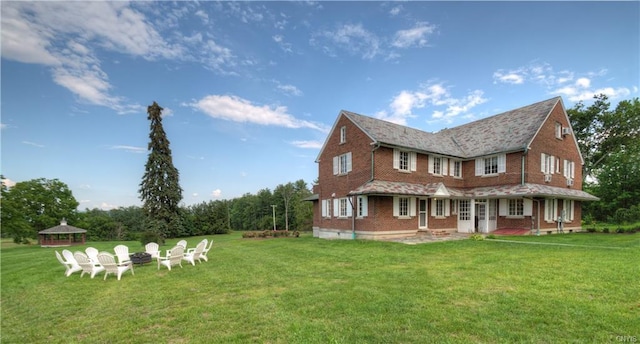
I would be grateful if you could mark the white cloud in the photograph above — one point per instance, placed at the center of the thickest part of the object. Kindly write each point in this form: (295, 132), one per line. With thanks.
(290, 89)
(236, 109)
(416, 36)
(130, 149)
(353, 38)
(307, 144)
(216, 193)
(563, 83)
(32, 144)
(3, 126)
(279, 39)
(395, 10)
(431, 95)
(8, 182)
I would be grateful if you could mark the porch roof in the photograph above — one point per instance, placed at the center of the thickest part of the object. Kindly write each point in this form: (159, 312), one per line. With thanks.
(382, 187)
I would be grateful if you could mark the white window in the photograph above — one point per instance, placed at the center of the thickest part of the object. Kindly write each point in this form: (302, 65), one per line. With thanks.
(558, 130)
(341, 207)
(342, 164)
(567, 210)
(343, 134)
(404, 161)
(344, 205)
(326, 208)
(456, 168)
(363, 207)
(438, 165)
(547, 163)
(404, 207)
(550, 209)
(569, 169)
(516, 207)
(464, 210)
(439, 207)
(491, 165)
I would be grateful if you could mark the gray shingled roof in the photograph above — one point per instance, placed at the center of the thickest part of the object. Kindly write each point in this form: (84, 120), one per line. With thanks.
(62, 229)
(381, 187)
(506, 132)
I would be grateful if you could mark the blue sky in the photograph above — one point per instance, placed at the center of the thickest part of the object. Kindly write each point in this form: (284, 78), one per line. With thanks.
(251, 89)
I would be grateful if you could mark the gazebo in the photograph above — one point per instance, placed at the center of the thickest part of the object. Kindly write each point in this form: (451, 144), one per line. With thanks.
(62, 235)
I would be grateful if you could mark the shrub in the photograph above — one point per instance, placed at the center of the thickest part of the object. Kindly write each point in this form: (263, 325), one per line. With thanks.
(491, 236)
(476, 237)
(249, 234)
(620, 230)
(591, 230)
(605, 230)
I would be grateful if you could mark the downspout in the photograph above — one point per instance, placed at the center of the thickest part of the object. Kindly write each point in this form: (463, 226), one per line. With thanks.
(524, 155)
(353, 217)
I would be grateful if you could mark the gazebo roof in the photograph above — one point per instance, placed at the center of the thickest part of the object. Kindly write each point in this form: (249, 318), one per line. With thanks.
(62, 228)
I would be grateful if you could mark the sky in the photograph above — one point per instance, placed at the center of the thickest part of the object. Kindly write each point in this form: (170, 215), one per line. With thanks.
(250, 90)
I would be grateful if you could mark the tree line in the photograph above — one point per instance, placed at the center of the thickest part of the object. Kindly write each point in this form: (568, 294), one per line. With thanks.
(31, 206)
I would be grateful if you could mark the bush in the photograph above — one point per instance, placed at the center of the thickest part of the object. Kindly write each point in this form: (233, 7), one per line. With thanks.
(249, 234)
(491, 236)
(605, 230)
(476, 237)
(591, 230)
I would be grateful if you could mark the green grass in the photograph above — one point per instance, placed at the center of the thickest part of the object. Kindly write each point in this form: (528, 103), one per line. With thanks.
(307, 290)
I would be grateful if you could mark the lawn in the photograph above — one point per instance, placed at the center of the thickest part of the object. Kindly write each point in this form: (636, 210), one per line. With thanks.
(570, 288)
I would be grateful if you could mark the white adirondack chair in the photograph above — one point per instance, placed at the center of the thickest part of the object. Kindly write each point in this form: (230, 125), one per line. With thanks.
(206, 251)
(87, 265)
(193, 254)
(122, 252)
(92, 253)
(153, 249)
(111, 267)
(70, 266)
(174, 257)
(182, 243)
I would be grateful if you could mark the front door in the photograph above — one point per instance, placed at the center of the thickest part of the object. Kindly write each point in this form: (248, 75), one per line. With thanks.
(465, 216)
(481, 216)
(422, 214)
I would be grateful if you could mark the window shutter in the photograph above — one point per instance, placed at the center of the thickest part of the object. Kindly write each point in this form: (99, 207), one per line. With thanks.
(349, 207)
(543, 162)
(452, 167)
(430, 163)
(349, 162)
(445, 166)
(572, 168)
(396, 159)
(527, 207)
(324, 208)
(364, 205)
(413, 157)
(412, 206)
(336, 165)
(502, 163)
(553, 164)
(503, 207)
(446, 207)
(479, 166)
(566, 169)
(336, 207)
(433, 207)
(396, 208)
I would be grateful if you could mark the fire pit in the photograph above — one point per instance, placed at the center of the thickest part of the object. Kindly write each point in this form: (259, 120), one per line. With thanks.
(140, 258)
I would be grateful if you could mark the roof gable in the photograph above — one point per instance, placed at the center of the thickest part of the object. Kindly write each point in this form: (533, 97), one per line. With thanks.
(509, 131)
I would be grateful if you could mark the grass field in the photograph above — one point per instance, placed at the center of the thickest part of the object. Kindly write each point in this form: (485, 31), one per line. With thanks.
(564, 288)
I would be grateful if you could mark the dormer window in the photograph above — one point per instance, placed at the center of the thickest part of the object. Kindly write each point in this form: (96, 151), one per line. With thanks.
(343, 134)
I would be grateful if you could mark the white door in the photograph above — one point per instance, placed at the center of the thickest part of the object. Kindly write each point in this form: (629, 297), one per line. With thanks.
(465, 216)
(481, 216)
(422, 214)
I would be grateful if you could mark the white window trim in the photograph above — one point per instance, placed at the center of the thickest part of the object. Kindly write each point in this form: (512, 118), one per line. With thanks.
(411, 207)
(343, 134)
(502, 165)
(337, 164)
(412, 164)
(362, 207)
(445, 208)
(452, 168)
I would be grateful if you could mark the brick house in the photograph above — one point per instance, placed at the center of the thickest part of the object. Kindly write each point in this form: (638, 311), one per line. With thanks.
(518, 169)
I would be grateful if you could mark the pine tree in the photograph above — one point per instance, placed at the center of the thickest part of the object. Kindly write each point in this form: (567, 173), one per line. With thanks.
(160, 189)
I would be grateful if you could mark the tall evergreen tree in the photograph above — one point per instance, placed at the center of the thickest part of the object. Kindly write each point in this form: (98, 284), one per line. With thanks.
(160, 188)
